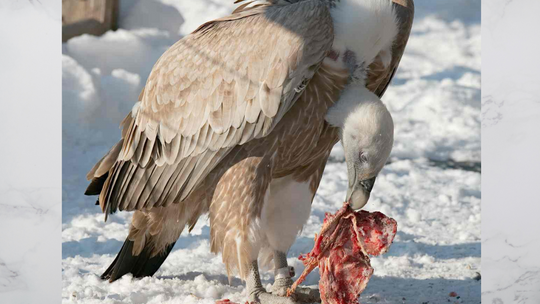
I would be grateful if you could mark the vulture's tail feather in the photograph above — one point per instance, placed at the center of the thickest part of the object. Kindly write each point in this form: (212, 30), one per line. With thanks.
(96, 185)
(142, 265)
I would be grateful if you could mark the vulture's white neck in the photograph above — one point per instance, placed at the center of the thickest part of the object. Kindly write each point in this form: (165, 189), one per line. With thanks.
(362, 30)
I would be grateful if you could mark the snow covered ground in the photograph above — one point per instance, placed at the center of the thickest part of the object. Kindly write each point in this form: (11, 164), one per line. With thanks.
(431, 187)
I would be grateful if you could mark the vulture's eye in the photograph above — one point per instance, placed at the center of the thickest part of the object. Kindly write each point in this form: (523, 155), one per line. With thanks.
(363, 157)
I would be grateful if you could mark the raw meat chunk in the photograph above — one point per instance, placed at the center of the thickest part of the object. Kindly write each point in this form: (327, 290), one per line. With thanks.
(341, 251)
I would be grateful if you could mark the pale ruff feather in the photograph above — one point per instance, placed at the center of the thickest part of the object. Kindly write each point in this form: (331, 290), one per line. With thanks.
(363, 29)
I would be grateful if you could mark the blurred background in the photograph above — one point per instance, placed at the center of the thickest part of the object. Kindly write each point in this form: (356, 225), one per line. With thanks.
(431, 185)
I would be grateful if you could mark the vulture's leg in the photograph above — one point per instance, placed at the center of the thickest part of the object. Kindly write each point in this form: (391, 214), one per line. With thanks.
(236, 230)
(283, 280)
(257, 293)
(282, 274)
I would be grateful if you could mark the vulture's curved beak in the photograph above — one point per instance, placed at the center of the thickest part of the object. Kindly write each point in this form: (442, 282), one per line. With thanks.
(359, 191)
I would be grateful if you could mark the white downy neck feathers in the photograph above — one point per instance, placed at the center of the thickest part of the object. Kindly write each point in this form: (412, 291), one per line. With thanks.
(363, 28)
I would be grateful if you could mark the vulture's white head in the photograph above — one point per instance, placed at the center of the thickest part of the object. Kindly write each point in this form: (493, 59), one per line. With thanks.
(367, 135)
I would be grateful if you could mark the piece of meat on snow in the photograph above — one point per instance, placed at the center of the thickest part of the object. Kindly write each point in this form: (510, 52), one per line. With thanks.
(341, 251)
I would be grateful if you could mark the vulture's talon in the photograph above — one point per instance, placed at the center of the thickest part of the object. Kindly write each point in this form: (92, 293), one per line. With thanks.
(301, 294)
(280, 286)
(263, 297)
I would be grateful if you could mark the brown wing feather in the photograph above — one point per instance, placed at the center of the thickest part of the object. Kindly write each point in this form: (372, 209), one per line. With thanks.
(379, 76)
(190, 114)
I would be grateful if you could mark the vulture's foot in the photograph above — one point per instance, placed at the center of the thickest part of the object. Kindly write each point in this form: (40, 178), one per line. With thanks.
(257, 293)
(301, 294)
(283, 280)
(262, 297)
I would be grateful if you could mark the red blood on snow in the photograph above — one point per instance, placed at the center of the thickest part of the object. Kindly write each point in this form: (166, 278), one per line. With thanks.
(341, 251)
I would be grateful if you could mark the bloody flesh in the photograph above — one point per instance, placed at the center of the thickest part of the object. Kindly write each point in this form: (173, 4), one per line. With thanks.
(341, 251)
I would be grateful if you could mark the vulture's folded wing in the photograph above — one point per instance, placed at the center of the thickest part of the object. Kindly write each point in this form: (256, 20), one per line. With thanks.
(225, 84)
(380, 74)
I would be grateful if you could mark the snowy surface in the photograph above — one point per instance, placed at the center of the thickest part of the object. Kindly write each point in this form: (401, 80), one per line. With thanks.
(511, 146)
(435, 102)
